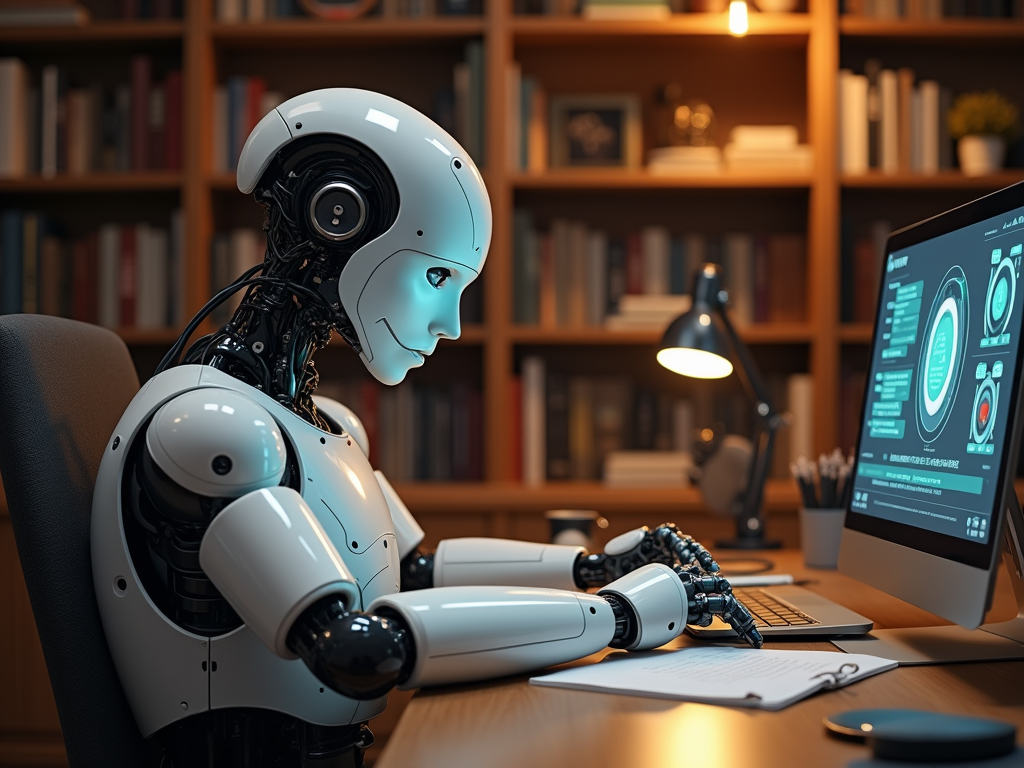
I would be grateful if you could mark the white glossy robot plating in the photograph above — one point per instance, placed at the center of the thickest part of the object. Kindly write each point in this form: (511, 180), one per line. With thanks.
(248, 561)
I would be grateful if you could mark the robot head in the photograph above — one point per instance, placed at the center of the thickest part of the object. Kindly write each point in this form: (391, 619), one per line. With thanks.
(410, 214)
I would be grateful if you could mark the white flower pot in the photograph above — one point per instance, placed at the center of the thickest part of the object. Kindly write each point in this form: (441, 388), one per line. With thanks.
(981, 155)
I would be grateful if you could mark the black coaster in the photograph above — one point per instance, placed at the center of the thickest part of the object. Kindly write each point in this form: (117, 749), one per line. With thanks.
(914, 735)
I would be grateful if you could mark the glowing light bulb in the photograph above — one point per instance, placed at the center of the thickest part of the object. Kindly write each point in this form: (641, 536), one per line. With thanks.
(738, 17)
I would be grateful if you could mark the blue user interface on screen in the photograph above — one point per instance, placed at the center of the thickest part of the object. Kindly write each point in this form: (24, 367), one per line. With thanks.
(941, 380)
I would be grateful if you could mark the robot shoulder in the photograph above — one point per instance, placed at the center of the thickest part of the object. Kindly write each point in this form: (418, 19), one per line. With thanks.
(217, 442)
(345, 418)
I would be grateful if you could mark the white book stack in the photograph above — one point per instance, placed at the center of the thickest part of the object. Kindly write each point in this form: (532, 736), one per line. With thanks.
(639, 312)
(647, 469)
(769, 148)
(684, 160)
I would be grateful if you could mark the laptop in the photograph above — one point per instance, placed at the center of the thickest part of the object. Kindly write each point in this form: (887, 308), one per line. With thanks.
(789, 610)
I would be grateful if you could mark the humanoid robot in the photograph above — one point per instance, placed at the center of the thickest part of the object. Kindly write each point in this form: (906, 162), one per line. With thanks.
(261, 587)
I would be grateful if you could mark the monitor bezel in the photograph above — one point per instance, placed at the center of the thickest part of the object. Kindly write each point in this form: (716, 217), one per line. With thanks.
(953, 548)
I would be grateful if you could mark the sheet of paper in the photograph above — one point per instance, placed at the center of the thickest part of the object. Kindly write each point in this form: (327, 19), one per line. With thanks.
(735, 676)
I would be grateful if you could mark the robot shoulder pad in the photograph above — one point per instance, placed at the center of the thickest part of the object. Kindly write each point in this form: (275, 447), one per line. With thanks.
(345, 418)
(217, 442)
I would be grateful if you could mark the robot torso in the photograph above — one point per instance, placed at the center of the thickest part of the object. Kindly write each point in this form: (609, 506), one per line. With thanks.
(170, 671)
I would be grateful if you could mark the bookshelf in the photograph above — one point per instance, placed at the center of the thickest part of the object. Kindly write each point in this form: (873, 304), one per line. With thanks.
(783, 71)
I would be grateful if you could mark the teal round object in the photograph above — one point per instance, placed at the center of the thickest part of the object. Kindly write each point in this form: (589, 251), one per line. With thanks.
(999, 297)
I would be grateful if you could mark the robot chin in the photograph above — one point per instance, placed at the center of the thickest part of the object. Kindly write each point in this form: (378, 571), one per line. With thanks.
(390, 361)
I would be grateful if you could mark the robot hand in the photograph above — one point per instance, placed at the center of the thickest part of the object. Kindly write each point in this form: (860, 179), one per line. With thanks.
(708, 593)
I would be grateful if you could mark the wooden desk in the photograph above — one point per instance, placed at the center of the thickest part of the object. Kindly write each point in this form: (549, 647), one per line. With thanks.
(511, 723)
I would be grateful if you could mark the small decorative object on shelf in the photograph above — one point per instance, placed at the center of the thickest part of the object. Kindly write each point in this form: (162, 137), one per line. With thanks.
(687, 135)
(595, 130)
(982, 123)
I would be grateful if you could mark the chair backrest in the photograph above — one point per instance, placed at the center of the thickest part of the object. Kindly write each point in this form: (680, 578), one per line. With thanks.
(63, 387)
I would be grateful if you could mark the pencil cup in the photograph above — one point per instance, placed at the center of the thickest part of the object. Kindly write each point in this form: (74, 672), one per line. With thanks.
(820, 533)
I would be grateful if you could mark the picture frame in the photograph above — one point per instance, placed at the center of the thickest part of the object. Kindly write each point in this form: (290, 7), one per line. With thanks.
(595, 131)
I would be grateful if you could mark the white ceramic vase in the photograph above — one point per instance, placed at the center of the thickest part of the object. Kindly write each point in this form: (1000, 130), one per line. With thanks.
(981, 154)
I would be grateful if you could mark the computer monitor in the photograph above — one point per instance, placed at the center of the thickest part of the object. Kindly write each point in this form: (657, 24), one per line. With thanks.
(933, 497)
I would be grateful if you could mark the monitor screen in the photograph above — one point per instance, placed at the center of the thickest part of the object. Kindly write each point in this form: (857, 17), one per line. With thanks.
(941, 388)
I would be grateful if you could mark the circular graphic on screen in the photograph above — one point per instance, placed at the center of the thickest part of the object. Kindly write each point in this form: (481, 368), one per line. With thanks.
(942, 354)
(984, 414)
(1002, 287)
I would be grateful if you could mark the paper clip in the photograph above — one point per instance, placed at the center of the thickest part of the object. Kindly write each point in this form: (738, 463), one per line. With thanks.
(835, 679)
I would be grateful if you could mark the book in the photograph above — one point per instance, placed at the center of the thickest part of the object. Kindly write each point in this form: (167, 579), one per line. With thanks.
(534, 428)
(13, 120)
(739, 677)
(141, 83)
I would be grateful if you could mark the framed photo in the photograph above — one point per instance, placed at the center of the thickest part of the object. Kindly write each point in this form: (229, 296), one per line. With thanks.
(596, 130)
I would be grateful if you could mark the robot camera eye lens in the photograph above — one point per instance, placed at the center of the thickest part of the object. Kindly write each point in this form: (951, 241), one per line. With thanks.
(457, 164)
(221, 464)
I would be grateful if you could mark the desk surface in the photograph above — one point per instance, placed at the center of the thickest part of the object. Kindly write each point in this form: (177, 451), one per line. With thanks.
(509, 723)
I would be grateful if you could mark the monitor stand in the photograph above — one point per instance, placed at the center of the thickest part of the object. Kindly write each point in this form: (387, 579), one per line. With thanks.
(952, 644)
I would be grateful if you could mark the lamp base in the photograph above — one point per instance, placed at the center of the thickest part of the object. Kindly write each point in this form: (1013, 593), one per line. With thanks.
(748, 543)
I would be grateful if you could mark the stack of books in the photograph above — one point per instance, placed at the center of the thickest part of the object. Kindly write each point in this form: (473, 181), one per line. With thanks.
(767, 148)
(673, 160)
(619, 10)
(646, 313)
(647, 469)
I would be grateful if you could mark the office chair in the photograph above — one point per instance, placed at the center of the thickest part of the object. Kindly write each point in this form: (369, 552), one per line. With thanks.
(63, 387)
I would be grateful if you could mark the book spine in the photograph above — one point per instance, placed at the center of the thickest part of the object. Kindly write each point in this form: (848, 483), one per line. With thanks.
(534, 428)
(238, 111)
(800, 403)
(634, 264)
(577, 242)
(80, 279)
(930, 119)
(854, 95)
(888, 117)
(557, 422)
(172, 151)
(13, 118)
(30, 263)
(515, 431)
(597, 277)
(762, 280)
(48, 123)
(126, 282)
(654, 244)
(616, 274)
(739, 275)
(905, 86)
(108, 293)
(157, 136)
(11, 233)
(141, 75)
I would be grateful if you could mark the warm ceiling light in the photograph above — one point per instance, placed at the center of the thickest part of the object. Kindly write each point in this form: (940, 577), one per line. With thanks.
(738, 17)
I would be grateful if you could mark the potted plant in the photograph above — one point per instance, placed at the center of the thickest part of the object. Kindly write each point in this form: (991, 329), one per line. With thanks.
(982, 123)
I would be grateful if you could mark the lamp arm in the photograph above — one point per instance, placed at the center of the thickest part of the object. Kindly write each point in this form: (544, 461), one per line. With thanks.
(749, 523)
(748, 372)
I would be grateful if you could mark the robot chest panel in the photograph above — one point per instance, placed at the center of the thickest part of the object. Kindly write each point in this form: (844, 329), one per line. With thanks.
(339, 485)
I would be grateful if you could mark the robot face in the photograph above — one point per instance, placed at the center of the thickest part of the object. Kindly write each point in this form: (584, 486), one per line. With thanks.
(410, 302)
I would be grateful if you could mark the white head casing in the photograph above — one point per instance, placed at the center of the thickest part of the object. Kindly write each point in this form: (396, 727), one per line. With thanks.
(443, 224)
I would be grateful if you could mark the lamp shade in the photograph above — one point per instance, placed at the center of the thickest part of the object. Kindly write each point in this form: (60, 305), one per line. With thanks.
(697, 345)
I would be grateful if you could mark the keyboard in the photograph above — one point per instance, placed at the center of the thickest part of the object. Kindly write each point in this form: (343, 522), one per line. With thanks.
(770, 612)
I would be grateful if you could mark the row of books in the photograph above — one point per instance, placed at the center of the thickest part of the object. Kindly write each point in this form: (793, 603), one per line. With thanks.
(119, 276)
(586, 427)
(919, 10)
(576, 276)
(862, 254)
(231, 254)
(608, 9)
(890, 123)
(70, 13)
(256, 11)
(242, 101)
(55, 124)
(417, 433)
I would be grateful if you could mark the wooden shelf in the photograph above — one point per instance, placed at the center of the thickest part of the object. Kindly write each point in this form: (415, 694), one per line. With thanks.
(132, 32)
(940, 30)
(134, 181)
(427, 498)
(279, 34)
(856, 333)
(939, 181)
(624, 178)
(526, 29)
(766, 333)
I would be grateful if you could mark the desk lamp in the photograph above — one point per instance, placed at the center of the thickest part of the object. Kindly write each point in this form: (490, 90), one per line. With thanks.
(702, 343)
